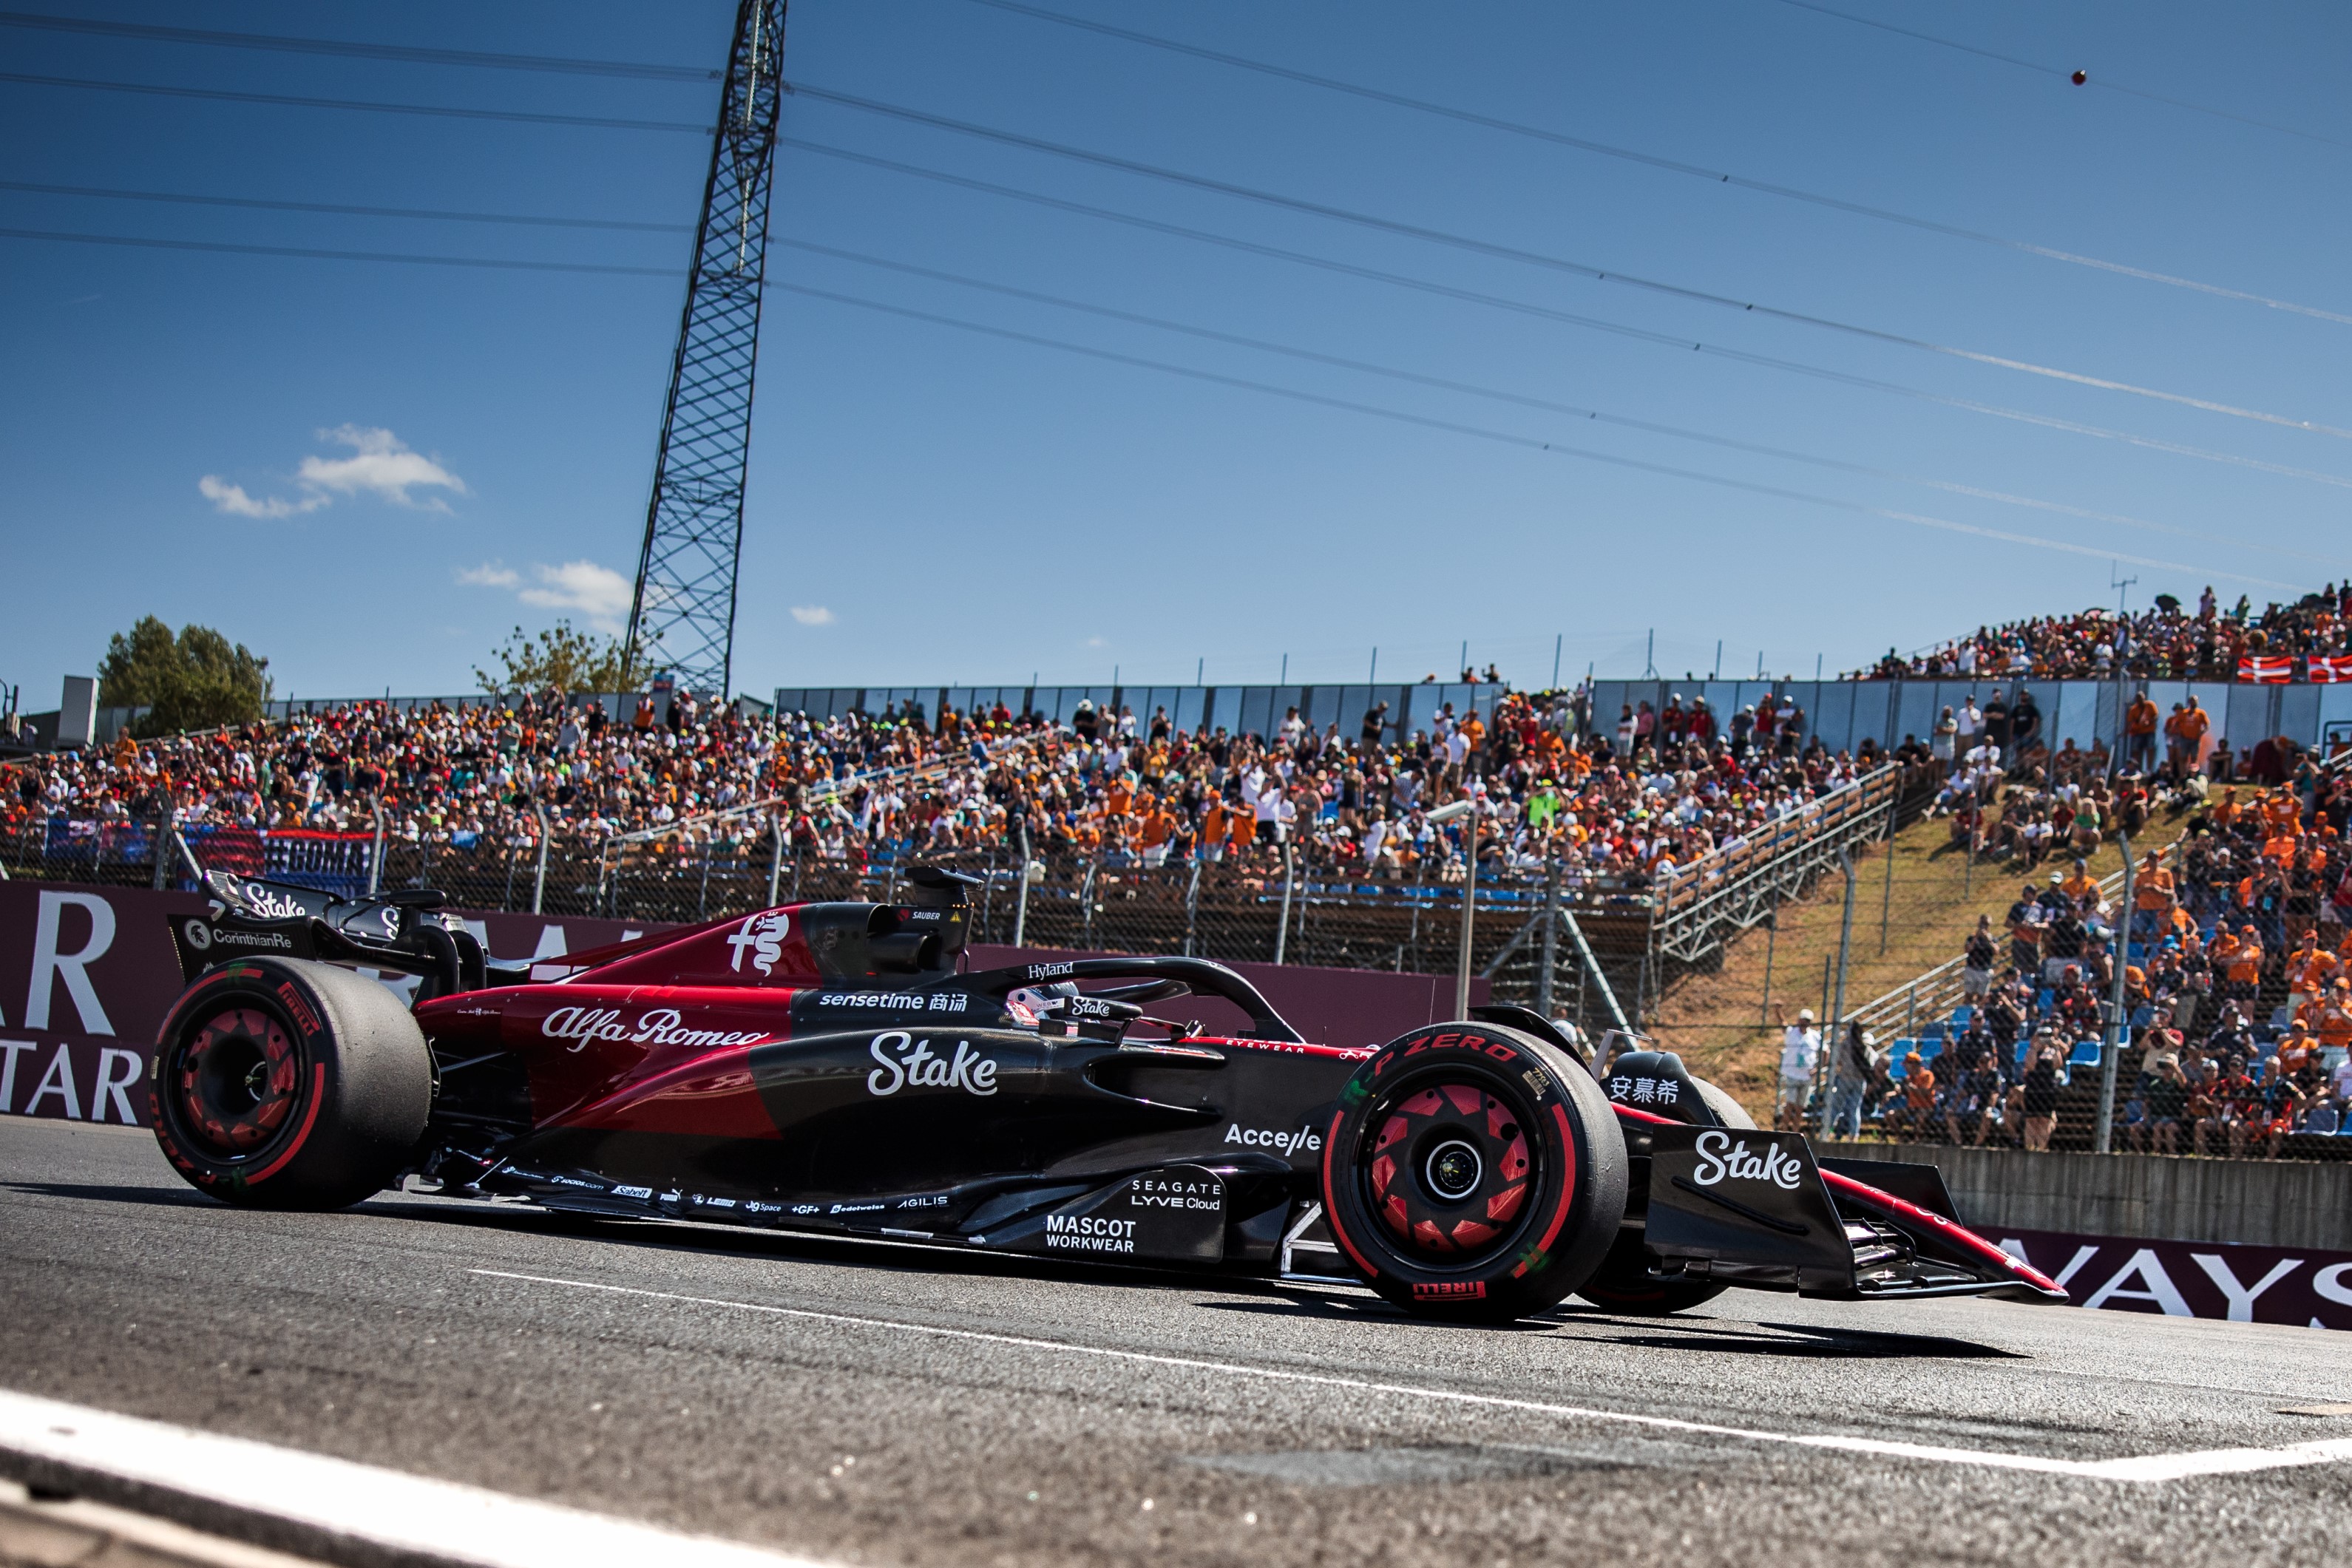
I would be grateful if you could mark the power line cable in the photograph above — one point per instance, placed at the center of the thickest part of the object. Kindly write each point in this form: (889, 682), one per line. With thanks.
(282, 101)
(1656, 161)
(139, 243)
(1556, 263)
(1547, 405)
(1564, 318)
(1509, 439)
(338, 207)
(2064, 72)
(403, 52)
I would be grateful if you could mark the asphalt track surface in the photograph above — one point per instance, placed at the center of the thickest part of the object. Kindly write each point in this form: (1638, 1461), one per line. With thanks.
(876, 1404)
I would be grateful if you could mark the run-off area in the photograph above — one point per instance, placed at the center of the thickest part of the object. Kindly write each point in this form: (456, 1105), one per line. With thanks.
(887, 1404)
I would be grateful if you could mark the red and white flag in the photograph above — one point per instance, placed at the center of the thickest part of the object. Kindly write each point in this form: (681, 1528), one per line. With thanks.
(2329, 672)
(2267, 669)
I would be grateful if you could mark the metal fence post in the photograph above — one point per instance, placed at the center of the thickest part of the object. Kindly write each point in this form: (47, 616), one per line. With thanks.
(1886, 898)
(2111, 1049)
(162, 849)
(1021, 905)
(1550, 933)
(1833, 1028)
(775, 858)
(375, 865)
(538, 876)
(1289, 877)
(1192, 905)
(1772, 940)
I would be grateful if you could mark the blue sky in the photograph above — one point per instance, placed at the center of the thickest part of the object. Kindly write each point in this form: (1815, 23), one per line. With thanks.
(368, 471)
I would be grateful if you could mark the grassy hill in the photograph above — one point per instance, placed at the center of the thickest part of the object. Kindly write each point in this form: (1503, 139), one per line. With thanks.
(1916, 901)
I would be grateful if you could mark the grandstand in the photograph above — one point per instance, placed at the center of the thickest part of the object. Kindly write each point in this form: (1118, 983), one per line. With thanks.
(1624, 844)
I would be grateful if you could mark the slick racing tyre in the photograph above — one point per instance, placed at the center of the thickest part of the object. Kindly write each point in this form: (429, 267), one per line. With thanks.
(281, 1084)
(1623, 1283)
(1473, 1172)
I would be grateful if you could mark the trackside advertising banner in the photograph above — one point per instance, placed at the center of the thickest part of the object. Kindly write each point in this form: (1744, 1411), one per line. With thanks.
(87, 975)
(2298, 1285)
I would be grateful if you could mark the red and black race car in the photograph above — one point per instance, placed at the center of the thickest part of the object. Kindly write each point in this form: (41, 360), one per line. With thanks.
(835, 1068)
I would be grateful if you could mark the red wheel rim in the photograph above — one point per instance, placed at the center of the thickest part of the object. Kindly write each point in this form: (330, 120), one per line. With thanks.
(236, 1081)
(1450, 1171)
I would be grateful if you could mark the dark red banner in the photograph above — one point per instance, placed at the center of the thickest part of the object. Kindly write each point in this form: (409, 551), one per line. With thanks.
(2300, 1285)
(87, 975)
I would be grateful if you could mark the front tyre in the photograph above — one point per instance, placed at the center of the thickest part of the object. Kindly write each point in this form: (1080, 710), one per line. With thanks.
(1623, 1283)
(1473, 1172)
(281, 1084)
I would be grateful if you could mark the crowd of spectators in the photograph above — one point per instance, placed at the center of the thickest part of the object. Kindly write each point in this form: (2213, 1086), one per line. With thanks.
(2170, 642)
(1630, 801)
(2236, 997)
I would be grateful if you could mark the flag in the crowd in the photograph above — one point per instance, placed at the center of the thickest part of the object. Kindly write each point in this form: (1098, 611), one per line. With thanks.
(2328, 671)
(2268, 669)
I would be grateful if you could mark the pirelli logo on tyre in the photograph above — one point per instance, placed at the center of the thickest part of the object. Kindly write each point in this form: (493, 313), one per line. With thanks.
(1449, 1290)
(300, 1009)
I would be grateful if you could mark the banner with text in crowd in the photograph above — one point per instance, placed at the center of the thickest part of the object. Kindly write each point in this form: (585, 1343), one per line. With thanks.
(88, 973)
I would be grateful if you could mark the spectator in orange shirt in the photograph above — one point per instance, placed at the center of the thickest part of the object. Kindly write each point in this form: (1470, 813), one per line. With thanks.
(2244, 966)
(2190, 733)
(2153, 898)
(2139, 731)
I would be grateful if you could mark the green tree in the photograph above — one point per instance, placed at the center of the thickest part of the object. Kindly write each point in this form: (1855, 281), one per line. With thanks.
(198, 679)
(561, 657)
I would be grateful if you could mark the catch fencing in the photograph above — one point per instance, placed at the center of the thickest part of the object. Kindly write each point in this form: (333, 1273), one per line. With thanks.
(1600, 951)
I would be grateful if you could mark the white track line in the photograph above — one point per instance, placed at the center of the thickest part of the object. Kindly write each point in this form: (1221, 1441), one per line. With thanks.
(440, 1521)
(2136, 1467)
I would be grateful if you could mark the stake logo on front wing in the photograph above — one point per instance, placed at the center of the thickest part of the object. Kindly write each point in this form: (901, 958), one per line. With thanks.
(659, 1027)
(1720, 1160)
(904, 1061)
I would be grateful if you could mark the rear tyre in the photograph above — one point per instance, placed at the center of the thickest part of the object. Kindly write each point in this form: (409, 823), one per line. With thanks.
(1623, 1283)
(281, 1084)
(1473, 1172)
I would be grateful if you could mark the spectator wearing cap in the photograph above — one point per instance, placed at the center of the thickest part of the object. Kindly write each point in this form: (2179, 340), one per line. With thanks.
(1976, 959)
(1851, 1068)
(1800, 1047)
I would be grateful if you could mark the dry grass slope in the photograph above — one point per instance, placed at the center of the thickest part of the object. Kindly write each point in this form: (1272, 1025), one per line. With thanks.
(1914, 907)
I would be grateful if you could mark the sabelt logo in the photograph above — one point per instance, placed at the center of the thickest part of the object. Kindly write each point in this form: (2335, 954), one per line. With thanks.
(659, 1027)
(1720, 1160)
(1264, 1138)
(762, 935)
(903, 1060)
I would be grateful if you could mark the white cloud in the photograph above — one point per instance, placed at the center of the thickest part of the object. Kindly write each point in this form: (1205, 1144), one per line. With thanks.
(596, 591)
(582, 587)
(811, 615)
(233, 500)
(380, 465)
(1096, 642)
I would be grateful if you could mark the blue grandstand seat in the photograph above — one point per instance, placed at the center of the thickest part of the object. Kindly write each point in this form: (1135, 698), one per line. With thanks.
(2142, 1016)
(2043, 999)
(1960, 1017)
(2086, 1054)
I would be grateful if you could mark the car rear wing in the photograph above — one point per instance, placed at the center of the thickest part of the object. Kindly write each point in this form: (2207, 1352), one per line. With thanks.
(401, 931)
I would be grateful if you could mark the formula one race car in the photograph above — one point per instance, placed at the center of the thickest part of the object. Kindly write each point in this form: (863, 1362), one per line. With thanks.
(832, 1068)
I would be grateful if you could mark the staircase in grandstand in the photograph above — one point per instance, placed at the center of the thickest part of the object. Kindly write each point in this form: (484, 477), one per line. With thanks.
(1608, 960)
